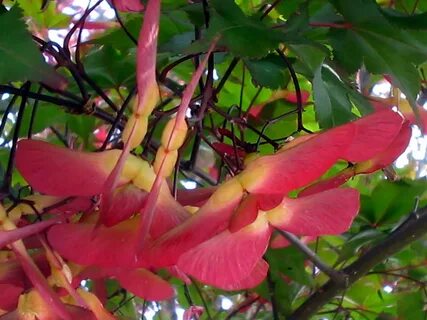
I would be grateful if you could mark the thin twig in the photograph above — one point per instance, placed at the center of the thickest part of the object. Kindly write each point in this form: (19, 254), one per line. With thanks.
(270, 8)
(188, 295)
(271, 289)
(122, 25)
(247, 125)
(163, 74)
(297, 88)
(60, 136)
(71, 106)
(205, 305)
(333, 274)
(66, 44)
(227, 74)
(6, 112)
(241, 306)
(118, 118)
(10, 164)
(33, 114)
(399, 275)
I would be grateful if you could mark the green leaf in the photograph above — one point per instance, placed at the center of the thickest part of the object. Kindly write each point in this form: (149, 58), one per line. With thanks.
(332, 103)
(410, 306)
(365, 288)
(20, 58)
(288, 8)
(310, 58)
(48, 18)
(379, 55)
(410, 5)
(46, 116)
(270, 71)
(111, 68)
(172, 23)
(242, 35)
(195, 14)
(290, 262)
(387, 205)
(376, 43)
(414, 21)
(283, 292)
(117, 38)
(82, 125)
(356, 242)
(322, 100)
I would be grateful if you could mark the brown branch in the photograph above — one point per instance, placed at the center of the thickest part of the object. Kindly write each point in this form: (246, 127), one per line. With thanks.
(413, 229)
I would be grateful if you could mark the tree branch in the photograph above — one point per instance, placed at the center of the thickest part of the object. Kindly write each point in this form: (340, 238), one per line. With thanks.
(413, 229)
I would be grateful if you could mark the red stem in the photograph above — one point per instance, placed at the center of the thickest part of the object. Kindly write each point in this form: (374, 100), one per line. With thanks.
(345, 25)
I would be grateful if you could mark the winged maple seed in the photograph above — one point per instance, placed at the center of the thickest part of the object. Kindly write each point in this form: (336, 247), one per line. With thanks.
(140, 227)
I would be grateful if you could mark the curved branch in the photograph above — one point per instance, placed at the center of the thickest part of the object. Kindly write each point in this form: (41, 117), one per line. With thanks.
(413, 229)
(70, 106)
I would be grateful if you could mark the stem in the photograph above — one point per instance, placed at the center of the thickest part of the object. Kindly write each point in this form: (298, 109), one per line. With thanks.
(247, 125)
(344, 25)
(270, 8)
(118, 118)
(66, 45)
(414, 8)
(6, 113)
(251, 104)
(226, 75)
(175, 176)
(197, 35)
(297, 88)
(61, 137)
(122, 25)
(169, 67)
(72, 106)
(194, 151)
(333, 274)
(205, 305)
(67, 94)
(399, 275)
(98, 90)
(33, 114)
(206, 13)
(188, 295)
(8, 175)
(271, 288)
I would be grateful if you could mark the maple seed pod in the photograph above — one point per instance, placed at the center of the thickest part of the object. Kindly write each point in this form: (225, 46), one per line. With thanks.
(165, 161)
(148, 101)
(247, 177)
(139, 172)
(137, 124)
(174, 137)
(226, 193)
